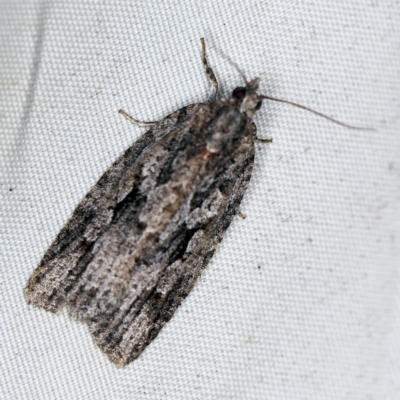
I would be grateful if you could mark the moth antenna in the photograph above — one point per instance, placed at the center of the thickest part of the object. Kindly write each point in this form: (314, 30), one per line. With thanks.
(335, 121)
(234, 65)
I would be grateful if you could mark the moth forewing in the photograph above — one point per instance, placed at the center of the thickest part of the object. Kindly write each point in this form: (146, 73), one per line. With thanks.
(136, 244)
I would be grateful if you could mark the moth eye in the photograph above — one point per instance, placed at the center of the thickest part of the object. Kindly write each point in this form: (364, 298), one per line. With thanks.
(239, 93)
(258, 106)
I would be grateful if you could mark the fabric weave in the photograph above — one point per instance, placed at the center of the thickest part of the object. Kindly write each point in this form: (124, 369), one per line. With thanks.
(302, 299)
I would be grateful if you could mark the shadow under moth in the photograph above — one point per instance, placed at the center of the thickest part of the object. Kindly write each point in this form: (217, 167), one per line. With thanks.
(139, 240)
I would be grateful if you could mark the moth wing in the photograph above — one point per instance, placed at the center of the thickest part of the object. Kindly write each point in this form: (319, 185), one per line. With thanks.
(68, 256)
(136, 244)
(125, 337)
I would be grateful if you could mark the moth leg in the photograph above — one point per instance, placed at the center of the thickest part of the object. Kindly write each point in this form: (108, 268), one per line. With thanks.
(209, 72)
(135, 121)
(269, 140)
(241, 215)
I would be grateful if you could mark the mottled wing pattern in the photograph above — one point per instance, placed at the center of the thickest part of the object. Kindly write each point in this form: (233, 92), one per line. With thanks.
(70, 253)
(136, 244)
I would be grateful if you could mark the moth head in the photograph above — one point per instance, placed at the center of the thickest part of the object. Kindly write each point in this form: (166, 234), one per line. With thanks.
(246, 98)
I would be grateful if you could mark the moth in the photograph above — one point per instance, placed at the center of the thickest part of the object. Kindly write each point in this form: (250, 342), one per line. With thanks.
(138, 241)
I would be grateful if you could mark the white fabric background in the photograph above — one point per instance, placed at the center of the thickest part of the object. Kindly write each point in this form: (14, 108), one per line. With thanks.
(302, 299)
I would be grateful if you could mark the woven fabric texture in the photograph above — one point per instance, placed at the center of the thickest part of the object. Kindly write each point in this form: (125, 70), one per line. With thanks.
(302, 298)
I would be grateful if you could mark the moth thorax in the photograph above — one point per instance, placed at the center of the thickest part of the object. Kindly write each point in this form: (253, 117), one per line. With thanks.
(215, 141)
